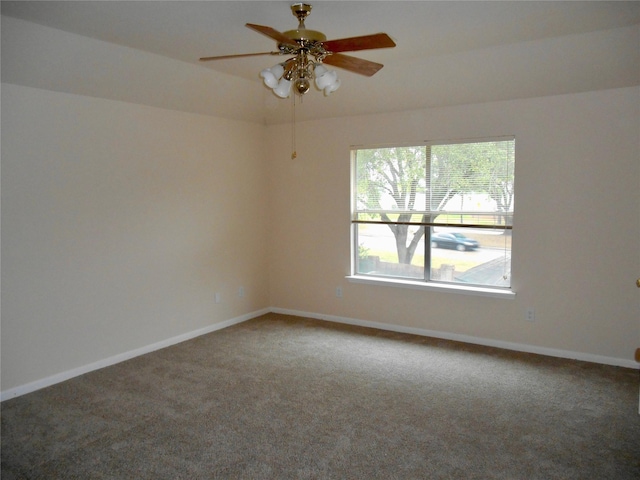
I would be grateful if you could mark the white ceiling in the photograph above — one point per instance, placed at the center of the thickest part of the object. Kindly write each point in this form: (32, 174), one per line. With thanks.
(448, 53)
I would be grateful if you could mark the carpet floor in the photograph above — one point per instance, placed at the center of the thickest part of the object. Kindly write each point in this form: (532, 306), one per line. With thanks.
(283, 397)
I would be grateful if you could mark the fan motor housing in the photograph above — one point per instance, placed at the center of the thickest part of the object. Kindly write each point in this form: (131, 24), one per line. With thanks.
(304, 34)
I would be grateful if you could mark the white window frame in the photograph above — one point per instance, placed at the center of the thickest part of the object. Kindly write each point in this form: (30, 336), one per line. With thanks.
(419, 284)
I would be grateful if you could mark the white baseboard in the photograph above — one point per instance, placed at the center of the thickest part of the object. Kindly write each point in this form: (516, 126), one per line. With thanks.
(63, 376)
(518, 347)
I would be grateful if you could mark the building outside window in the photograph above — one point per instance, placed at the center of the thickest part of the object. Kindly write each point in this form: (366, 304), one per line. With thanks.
(437, 212)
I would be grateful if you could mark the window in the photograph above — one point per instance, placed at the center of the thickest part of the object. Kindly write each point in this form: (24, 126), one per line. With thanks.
(437, 213)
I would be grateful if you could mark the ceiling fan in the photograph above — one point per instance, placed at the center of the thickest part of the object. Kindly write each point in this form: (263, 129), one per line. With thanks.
(311, 51)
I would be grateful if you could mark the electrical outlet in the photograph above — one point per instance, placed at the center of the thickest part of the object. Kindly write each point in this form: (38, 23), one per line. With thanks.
(218, 297)
(339, 292)
(241, 292)
(530, 314)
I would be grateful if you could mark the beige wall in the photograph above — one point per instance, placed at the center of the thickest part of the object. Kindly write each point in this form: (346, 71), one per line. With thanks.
(576, 253)
(119, 224)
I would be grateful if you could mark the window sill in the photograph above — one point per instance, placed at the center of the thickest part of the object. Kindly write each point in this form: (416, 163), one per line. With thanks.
(434, 287)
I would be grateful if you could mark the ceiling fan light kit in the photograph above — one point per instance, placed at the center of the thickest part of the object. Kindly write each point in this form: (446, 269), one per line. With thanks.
(310, 50)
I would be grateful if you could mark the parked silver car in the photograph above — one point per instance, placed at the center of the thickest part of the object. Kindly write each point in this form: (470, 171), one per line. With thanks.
(453, 240)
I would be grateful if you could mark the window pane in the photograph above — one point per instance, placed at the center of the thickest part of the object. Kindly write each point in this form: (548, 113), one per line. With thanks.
(472, 177)
(378, 252)
(391, 179)
(435, 212)
(471, 256)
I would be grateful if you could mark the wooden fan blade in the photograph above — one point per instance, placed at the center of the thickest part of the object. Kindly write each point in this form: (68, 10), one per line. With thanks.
(366, 42)
(222, 57)
(272, 33)
(353, 64)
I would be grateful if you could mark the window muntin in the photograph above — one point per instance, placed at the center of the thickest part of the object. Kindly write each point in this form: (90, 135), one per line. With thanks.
(407, 200)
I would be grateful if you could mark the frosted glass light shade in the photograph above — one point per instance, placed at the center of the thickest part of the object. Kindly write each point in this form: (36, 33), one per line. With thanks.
(272, 75)
(333, 87)
(270, 79)
(283, 88)
(319, 70)
(277, 70)
(326, 79)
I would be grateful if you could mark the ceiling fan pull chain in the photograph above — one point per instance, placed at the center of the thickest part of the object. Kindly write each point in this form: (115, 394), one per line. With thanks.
(294, 153)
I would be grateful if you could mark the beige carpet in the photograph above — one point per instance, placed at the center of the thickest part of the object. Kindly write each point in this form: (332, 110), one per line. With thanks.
(282, 397)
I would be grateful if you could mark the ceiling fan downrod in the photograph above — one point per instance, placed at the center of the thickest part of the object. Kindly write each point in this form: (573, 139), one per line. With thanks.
(301, 11)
